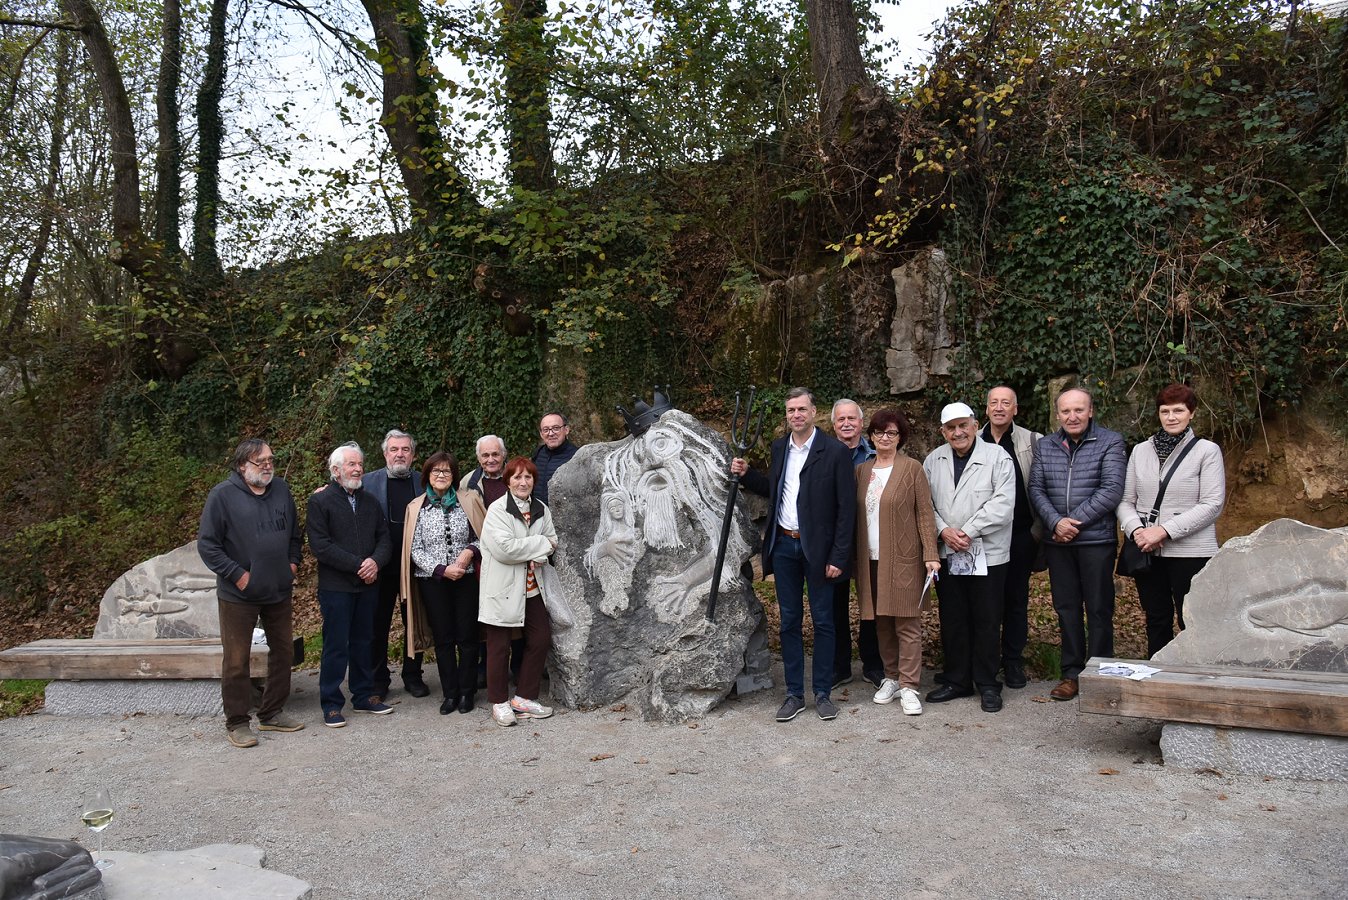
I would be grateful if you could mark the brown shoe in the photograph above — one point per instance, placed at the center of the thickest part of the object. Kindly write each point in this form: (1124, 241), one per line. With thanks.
(1066, 690)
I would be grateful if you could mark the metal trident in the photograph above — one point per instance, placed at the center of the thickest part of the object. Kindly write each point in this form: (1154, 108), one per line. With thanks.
(743, 437)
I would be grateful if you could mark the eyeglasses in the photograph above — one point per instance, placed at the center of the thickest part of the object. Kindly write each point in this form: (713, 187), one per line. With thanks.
(552, 429)
(441, 473)
(892, 435)
(268, 463)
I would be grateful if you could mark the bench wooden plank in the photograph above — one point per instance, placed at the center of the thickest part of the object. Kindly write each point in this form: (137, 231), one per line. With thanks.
(1228, 696)
(89, 660)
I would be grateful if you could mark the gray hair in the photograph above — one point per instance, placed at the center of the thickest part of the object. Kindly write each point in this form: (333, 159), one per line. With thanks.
(834, 415)
(1003, 387)
(395, 433)
(800, 392)
(477, 448)
(244, 452)
(338, 456)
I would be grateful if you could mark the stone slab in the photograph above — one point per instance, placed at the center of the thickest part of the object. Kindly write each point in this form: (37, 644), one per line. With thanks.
(167, 596)
(214, 871)
(1245, 751)
(103, 698)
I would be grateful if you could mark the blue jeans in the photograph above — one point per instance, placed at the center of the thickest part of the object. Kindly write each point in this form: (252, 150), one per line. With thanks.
(348, 623)
(788, 569)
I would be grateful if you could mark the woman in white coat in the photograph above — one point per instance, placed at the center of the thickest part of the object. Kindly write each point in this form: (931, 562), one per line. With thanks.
(517, 537)
(1183, 536)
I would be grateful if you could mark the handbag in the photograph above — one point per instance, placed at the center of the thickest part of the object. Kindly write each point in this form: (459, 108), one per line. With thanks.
(1133, 561)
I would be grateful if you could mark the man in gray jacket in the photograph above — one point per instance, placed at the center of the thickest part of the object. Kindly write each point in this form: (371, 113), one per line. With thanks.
(1075, 484)
(250, 539)
(973, 493)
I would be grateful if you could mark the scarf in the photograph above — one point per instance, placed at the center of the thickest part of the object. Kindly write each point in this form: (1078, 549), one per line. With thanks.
(446, 503)
(1165, 442)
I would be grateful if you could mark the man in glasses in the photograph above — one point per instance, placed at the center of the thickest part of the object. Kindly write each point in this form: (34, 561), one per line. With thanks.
(250, 538)
(556, 449)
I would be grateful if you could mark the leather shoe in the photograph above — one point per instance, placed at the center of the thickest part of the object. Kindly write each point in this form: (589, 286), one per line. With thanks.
(991, 701)
(1015, 674)
(448, 705)
(1066, 690)
(466, 703)
(948, 692)
(416, 687)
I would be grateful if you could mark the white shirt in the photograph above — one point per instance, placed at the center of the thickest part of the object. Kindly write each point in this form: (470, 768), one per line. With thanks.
(787, 516)
(876, 487)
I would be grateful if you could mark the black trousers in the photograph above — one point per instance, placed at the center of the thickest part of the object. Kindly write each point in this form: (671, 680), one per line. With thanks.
(971, 626)
(868, 646)
(1162, 592)
(389, 578)
(1016, 596)
(451, 607)
(1083, 596)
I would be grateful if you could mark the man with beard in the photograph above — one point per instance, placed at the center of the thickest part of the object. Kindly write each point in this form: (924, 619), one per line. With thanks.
(393, 487)
(250, 539)
(348, 535)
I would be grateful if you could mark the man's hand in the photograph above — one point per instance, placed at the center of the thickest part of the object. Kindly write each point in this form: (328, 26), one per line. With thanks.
(956, 539)
(242, 583)
(294, 569)
(368, 571)
(738, 466)
(1066, 530)
(832, 571)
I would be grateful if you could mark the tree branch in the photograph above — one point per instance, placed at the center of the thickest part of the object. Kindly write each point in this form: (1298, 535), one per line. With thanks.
(38, 23)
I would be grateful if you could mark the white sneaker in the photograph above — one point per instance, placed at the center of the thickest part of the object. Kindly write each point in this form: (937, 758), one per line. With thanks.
(888, 688)
(529, 709)
(908, 699)
(503, 714)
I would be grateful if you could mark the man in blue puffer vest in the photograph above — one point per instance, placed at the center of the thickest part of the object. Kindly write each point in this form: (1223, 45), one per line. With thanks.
(1076, 482)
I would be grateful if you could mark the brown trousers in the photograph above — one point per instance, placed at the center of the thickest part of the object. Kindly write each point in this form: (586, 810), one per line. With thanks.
(237, 621)
(900, 640)
(537, 642)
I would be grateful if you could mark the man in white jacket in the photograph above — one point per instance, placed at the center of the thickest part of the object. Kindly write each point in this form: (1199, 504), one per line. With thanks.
(973, 489)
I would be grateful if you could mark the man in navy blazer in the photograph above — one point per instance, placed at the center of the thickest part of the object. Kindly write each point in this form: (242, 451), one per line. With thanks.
(807, 543)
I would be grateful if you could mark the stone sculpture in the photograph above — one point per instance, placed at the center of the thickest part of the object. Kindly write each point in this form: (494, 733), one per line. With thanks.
(167, 596)
(638, 522)
(1277, 598)
(37, 868)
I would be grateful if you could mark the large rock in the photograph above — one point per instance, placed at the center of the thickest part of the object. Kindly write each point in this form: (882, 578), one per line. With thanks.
(1277, 598)
(638, 522)
(167, 596)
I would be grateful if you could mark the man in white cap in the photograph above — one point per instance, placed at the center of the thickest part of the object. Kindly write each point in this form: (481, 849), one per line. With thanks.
(973, 490)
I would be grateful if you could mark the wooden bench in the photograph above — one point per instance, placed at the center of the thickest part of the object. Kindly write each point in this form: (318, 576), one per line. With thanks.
(90, 660)
(1227, 696)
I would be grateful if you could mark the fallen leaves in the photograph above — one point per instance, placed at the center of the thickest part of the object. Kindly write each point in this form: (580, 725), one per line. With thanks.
(1107, 772)
(601, 757)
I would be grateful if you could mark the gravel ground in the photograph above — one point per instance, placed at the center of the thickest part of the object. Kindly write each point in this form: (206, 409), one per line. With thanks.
(1038, 800)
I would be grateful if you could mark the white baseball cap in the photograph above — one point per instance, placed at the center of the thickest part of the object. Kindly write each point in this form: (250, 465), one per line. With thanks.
(956, 411)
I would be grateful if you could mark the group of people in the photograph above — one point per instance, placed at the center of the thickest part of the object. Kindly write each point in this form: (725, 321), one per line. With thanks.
(973, 519)
(460, 557)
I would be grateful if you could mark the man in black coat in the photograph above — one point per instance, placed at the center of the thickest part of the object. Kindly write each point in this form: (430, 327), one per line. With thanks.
(250, 539)
(807, 543)
(349, 537)
(555, 451)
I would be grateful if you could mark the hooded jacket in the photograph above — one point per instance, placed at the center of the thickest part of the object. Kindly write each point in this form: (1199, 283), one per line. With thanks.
(254, 533)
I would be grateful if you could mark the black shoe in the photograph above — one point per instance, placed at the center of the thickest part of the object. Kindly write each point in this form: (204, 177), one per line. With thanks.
(1015, 673)
(948, 692)
(448, 705)
(874, 676)
(990, 700)
(841, 678)
(466, 703)
(416, 686)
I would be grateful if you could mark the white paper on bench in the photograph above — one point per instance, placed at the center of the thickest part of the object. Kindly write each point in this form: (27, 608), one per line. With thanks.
(1127, 670)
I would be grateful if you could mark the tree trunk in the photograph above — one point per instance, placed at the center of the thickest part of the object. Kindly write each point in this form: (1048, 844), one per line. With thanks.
(210, 135)
(411, 117)
(527, 59)
(60, 101)
(168, 155)
(835, 57)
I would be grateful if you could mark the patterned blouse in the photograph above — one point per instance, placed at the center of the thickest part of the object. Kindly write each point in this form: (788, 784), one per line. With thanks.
(440, 538)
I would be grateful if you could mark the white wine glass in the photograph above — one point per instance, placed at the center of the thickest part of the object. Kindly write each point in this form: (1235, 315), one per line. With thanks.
(98, 815)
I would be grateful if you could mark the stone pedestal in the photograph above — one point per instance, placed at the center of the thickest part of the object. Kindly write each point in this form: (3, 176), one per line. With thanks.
(1247, 751)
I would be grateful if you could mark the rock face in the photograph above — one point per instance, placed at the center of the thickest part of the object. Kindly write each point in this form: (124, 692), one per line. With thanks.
(1277, 598)
(168, 596)
(638, 522)
(920, 342)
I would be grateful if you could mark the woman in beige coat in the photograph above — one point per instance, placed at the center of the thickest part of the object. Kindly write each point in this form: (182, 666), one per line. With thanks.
(517, 537)
(896, 549)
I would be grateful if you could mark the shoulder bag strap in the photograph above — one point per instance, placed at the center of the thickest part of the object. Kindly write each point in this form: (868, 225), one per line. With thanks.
(1160, 493)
